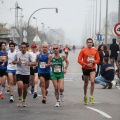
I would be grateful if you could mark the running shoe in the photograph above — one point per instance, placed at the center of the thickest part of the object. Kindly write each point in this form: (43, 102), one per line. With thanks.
(91, 99)
(44, 100)
(57, 104)
(85, 100)
(24, 104)
(35, 95)
(19, 103)
(32, 89)
(46, 92)
(8, 89)
(1, 96)
(11, 99)
(62, 97)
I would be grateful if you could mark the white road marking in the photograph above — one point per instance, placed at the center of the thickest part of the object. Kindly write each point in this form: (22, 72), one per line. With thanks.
(100, 112)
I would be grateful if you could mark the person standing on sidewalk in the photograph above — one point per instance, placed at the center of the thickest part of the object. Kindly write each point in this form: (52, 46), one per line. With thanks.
(88, 58)
(24, 60)
(57, 73)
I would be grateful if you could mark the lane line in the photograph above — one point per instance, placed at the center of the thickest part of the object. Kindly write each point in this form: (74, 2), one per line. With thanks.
(100, 112)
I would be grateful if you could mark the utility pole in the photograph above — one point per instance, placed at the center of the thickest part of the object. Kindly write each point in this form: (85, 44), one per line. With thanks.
(119, 14)
(106, 24)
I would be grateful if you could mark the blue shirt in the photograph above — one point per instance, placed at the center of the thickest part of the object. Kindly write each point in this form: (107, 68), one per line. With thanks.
(1, 62)
(107, 71)
(42, 60)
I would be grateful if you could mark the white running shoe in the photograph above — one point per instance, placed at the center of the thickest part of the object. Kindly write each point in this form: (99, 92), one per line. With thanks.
(62, 97)
(11, 99)
(57, 104)
(24, 104)
(19, 103)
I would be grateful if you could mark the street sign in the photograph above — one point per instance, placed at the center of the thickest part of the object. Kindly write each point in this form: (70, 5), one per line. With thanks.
(14, 33)
(36, 39)
(25, 39)
(99, 37)
(117, 29)
(24, 33)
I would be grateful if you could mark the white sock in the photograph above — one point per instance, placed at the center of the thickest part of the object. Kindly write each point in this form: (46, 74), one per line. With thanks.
(2, 89)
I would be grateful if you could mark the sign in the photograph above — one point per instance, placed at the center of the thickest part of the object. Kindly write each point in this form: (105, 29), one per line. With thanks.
(24, 33)
(117, 29)
(14, 33)
(36, 39)
(99, 37)
(25, 39)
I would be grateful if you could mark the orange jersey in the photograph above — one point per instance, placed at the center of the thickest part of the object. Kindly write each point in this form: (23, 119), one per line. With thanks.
(87, 55)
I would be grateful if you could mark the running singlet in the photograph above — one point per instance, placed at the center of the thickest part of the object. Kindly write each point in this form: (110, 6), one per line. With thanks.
(11, 56)
(42, 60)
(86, 56)
(66, 49)
(2, 55)
(57, 65)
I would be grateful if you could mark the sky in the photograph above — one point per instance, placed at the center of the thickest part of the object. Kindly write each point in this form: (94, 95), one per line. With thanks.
(71, 16)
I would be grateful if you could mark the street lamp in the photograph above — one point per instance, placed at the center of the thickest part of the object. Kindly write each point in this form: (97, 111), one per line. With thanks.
(38, 10)
(36, 21)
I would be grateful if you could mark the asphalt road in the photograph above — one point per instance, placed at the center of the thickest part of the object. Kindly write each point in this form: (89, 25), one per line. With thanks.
(107, 101)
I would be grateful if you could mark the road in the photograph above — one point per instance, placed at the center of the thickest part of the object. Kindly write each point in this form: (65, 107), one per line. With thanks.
(107, 102)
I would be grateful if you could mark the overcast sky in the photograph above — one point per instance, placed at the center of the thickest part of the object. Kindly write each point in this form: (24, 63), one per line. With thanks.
(71, 16)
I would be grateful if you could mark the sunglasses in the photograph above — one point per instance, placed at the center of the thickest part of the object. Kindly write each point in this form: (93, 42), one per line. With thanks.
(55, 48)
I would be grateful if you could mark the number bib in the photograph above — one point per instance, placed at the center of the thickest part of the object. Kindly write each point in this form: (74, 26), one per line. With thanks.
(42, 65)
(23, 60)
(11, 65)
(90, 58)
(57, 69)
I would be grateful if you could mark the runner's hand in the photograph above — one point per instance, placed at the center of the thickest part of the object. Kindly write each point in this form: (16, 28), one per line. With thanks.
(90, 65)
(64, 71)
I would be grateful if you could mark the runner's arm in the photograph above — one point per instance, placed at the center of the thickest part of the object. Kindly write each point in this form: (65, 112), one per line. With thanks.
(66, 60)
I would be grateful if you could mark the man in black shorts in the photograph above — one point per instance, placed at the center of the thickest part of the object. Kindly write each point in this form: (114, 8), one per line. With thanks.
(24, 60)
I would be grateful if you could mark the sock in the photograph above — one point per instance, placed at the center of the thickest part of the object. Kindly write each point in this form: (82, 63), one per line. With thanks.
(20, 98)
(2, 89)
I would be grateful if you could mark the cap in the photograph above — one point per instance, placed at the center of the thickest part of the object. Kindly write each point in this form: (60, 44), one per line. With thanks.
(33, 46)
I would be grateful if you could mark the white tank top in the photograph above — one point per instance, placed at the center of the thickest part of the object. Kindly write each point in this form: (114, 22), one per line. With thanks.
(11, 56)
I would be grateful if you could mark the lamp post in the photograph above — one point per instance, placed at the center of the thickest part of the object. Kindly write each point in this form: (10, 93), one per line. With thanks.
(37, 11)
(119, 13)
(36, 23)
(106, 24)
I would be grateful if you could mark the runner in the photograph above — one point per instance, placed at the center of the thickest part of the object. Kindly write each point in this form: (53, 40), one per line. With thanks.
(34, 72)
(66, 50)
(11, 69)
(88, 58)
(57, 74)
(43, 60)
(24, 60)
(3, 68)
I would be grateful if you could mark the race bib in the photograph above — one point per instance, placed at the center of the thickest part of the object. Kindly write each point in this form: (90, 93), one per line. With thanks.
(42, 65)
(57, 69)
(11, 65)
(23, 60)
(90, 58)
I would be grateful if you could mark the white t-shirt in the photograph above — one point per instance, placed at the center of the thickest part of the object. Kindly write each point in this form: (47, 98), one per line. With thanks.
(11, 56)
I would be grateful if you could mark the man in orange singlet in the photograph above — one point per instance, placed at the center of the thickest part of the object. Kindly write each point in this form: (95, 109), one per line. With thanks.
(88, 58)
(66, 50)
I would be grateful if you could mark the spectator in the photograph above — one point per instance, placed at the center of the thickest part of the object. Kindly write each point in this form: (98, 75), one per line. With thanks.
(107, 74)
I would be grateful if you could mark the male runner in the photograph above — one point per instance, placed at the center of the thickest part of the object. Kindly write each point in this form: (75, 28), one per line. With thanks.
(11, 69)
(3, 68)
(24, 60)
(43, 60)
(57, 74)
(88, 58)
(34, 72)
